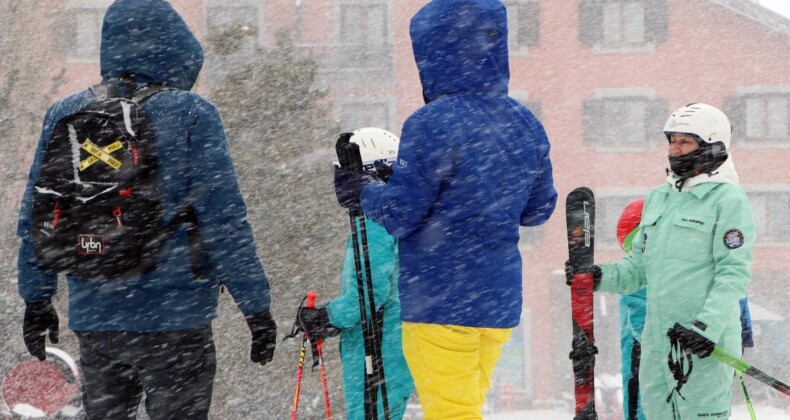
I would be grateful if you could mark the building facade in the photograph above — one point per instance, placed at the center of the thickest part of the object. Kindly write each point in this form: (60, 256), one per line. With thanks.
(602, 75)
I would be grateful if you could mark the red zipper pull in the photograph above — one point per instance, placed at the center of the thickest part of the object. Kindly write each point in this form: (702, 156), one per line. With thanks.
(126, 193)
(117, 213)
(135, 153)
(56, 215)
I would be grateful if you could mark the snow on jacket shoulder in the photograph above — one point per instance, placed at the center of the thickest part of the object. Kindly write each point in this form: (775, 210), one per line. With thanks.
(473, 165)
(194, 166)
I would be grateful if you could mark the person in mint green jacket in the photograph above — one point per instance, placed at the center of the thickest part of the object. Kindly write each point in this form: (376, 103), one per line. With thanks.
(343, 312)
(693, 252)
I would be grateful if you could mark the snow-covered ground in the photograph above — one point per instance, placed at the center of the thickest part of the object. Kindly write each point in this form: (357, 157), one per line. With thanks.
(739, 412)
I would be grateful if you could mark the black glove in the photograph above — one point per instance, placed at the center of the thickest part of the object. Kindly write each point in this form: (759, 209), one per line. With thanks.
(570, 271)
(315, 322)
(39, 317)
(383, 170)
(691, 340)
(264, 336)
(349, 186)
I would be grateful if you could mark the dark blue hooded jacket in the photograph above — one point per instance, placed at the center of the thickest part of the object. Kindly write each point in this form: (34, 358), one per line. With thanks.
(473, 165)
(149, 41)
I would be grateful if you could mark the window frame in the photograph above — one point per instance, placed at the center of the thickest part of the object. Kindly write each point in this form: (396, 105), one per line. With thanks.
(210, 6)
(358, 105)
(770, 202)
(75, 52)
(592, 25)
(376, 55)
(595, 120)
(609, 205)
(736, 107)
(521, 38)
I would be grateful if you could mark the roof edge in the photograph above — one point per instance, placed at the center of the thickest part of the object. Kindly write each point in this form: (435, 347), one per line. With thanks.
(754, 11)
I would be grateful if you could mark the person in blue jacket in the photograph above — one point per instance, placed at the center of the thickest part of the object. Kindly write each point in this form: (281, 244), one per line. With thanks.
(152, 333)
(473, 166)
(343, 312)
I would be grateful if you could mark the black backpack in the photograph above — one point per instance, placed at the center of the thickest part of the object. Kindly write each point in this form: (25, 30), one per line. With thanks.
(97, 211)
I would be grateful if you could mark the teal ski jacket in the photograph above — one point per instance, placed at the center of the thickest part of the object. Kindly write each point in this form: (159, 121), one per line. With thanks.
(693, 251)
(148, 40)
(344, 313)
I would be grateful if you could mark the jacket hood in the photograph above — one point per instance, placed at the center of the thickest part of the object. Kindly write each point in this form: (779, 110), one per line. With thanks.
(461, 46)
(149, 41)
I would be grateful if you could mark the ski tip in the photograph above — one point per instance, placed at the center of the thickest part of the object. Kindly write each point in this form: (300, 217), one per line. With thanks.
(581, 190)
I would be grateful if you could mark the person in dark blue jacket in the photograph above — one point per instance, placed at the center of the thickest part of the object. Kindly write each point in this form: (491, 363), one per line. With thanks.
(473, 166)
(152, 333)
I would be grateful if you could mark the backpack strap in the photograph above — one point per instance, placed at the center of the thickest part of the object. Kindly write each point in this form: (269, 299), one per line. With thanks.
(103, 91)
(149, 91)
(100, 91)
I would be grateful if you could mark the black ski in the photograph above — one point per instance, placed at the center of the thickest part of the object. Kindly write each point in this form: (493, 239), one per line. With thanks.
(580, 216)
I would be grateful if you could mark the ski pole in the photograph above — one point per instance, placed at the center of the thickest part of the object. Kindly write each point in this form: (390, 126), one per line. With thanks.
(299, 372)
(746, 396)
(350, 159)
(327, 408)
(742, 366)
(318, 355)
(318, 358)
(381, 382)
(371, 396)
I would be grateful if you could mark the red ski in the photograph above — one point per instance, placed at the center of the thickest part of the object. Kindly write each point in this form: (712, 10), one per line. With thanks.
(580, 216)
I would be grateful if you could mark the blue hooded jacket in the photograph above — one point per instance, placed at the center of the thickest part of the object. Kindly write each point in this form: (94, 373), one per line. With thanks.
(473, 165)
(148, 41)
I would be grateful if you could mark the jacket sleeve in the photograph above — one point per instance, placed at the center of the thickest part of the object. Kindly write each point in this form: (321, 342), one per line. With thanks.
(344, 310)
(626, 276)
(543, 197)
(226, 236)
(733, 238)
(402, 203)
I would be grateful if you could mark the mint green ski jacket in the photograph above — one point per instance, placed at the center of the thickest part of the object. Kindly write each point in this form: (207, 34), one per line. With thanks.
(695, 256)
(693, 251)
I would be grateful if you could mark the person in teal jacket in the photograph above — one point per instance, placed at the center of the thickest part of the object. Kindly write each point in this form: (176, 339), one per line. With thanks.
(693, 252)
(632, 310)
(343, 312)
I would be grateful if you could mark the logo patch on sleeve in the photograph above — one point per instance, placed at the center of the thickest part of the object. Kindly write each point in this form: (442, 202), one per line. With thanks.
(733, 238)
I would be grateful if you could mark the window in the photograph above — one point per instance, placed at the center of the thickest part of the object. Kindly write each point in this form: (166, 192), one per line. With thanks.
(363, 34)
(761, 117)
(629, 122)
(608, 208)
(358, 113)
(83, 33)
(771, 211)
(523, 24)
(535, 106)
(614, 24)
(240, 21)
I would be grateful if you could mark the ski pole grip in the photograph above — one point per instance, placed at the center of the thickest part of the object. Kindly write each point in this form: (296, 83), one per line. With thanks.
(354, 157)
(311, 297)
(348, 155)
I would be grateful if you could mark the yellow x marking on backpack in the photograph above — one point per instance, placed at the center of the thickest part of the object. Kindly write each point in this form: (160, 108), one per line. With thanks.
(100, 154)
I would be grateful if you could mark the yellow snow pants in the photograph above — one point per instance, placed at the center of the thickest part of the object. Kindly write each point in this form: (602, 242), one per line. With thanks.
(452, 366)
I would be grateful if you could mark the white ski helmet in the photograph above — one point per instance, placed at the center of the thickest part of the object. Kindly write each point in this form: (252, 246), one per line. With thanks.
(706, 122)
(376, 144)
